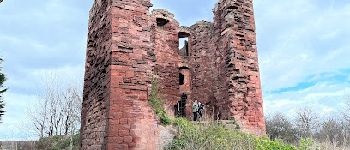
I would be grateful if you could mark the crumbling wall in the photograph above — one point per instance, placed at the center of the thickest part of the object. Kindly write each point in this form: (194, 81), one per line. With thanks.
(128, 46)
(224, 62)
(165, 45)
(97, 78)
(202, 62)
(235, 21)
(131, 119)
(116, 113)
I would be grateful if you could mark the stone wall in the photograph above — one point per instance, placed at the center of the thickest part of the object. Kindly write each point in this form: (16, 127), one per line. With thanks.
(97, 78)
(224, 63)
(116, 114)
(165, 45)
(236, 25)
(202, 62)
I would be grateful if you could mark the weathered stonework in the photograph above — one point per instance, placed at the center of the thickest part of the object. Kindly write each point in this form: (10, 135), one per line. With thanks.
(128, 46)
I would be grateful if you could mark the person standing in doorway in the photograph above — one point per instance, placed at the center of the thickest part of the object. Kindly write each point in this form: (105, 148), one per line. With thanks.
(195, 110)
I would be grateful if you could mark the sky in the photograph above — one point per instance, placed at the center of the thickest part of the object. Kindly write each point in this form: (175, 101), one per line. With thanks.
(304, 50)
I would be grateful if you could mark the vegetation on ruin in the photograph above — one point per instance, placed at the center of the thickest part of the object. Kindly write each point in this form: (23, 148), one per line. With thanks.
(157, 104)
(306, 132)
(214, 136)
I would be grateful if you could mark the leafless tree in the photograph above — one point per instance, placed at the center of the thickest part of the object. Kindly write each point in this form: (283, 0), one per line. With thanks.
(346, 122)
(71, 111)
(58, 110)
(331, 131)
(39, 118)
(306, 122)
(346, 112)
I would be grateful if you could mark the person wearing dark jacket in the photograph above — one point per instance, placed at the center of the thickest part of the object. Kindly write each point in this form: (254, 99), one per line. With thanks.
(200, 110)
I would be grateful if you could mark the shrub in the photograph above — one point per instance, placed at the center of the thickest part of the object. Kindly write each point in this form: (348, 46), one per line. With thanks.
(213, 136)
(58, 143)
(265, 143)
(279, 127)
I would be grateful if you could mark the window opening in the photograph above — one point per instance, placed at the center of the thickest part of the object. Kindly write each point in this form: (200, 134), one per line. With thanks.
(181, 79)
(161, 22)
(183, 43)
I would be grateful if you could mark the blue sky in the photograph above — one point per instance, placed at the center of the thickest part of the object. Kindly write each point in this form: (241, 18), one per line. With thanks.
(304, 49)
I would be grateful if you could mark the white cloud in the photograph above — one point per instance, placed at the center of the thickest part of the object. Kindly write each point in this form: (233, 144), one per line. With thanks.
(324, 98)
(38, 38)
(299, 39)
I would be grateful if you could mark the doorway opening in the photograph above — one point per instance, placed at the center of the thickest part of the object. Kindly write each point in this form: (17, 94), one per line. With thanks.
(180, 107)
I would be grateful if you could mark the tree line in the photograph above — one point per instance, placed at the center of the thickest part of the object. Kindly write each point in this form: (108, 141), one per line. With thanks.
(306, 123)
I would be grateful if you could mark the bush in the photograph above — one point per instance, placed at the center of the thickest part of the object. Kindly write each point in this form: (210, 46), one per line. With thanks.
(58, 143)
(213, 136)
(266, 143)
(279, 127)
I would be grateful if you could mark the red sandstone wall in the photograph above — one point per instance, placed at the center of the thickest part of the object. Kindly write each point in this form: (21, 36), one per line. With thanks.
(202, 62)
(186, 87)
(131, 119)
(97, 79)
(165, 46)
(126, 49)
(235, 19)
(116, 113)
(224, 64)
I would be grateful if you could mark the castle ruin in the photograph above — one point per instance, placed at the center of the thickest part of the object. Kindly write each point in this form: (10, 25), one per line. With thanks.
(128, 46)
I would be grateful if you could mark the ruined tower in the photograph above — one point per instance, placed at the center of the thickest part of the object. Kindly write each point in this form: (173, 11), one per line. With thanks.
(128, 46)
(115, 113)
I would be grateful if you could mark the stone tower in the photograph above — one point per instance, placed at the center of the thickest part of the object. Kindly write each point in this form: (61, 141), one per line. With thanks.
(115, 113)
(128, 46)
(235, 38)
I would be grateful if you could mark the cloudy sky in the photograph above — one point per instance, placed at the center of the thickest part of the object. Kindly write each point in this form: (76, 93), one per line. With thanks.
(304, 50)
